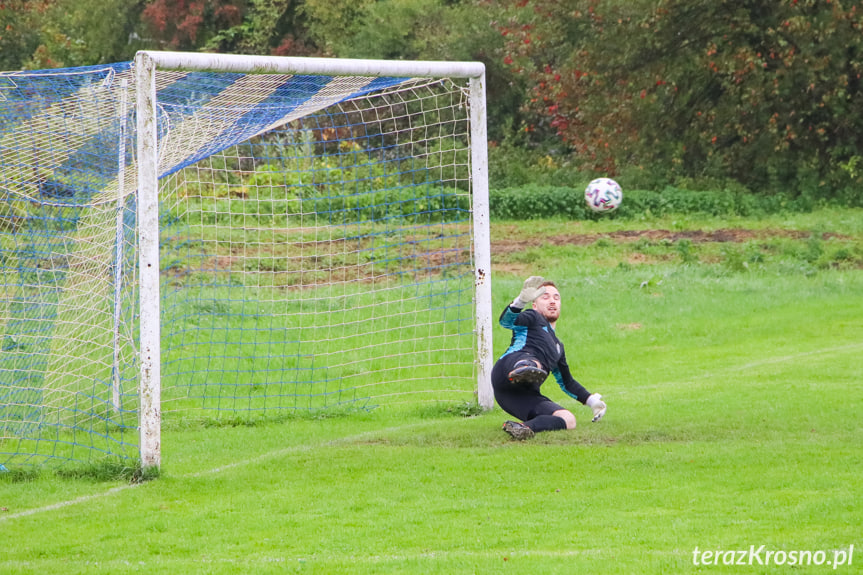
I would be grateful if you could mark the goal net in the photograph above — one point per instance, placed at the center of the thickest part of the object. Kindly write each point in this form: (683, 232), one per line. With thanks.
(235, 237)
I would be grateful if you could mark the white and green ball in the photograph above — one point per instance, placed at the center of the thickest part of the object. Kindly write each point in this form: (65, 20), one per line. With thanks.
(603, 195)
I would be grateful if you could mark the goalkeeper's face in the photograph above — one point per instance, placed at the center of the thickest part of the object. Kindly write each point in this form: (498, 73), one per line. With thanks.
(548, 304)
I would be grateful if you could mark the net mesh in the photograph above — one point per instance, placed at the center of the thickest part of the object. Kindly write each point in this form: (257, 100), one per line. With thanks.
(315, 246)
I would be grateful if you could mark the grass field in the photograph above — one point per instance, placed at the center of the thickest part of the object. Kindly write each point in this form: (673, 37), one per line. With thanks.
(728, 351)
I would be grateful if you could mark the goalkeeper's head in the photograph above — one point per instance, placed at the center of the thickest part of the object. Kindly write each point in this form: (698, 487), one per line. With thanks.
(548, 304)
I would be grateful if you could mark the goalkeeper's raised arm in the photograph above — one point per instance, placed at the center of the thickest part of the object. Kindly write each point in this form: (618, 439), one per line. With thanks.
(534, 352)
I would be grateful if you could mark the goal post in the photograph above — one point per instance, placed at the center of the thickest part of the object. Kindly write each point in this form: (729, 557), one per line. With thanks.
(232, 236)
(150, 381)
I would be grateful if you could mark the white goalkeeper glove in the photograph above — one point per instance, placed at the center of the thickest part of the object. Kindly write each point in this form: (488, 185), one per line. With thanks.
(531, 290)
(597, 405)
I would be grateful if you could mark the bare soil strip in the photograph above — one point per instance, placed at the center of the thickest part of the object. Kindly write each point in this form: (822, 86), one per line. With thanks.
(510, 245)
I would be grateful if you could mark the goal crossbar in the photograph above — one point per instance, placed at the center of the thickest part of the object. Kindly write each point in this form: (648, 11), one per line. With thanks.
(304, 65)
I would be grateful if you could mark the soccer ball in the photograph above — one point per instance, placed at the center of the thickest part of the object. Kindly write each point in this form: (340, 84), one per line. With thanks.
(603, 195)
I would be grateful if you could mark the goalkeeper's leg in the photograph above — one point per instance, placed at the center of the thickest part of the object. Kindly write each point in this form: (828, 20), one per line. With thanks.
(561, 419)
(536, 413)
(567, 417)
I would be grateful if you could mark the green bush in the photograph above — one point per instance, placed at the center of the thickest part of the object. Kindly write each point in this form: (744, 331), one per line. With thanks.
(538, 202)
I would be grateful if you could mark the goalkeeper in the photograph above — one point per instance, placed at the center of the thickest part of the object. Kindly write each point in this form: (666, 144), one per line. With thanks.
(533, 353)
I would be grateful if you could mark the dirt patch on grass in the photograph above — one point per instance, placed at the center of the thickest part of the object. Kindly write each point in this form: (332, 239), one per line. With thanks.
(512, 245)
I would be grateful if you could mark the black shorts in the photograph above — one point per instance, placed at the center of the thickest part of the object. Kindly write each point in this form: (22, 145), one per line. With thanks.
(522, 401)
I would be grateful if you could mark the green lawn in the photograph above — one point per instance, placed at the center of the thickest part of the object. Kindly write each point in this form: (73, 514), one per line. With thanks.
(732, 374)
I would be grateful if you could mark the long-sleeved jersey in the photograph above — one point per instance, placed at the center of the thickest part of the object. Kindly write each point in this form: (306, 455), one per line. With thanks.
(533, 335)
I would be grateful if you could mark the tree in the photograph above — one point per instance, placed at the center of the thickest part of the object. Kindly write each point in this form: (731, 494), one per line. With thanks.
(768, 98)
(268, 27)
(64, 33)
(230, 26)
(19, 31)
(189, 24)
(756, 91)
(457, 30)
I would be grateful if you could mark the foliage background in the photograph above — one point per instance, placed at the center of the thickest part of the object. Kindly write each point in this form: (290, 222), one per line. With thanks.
(739, 96)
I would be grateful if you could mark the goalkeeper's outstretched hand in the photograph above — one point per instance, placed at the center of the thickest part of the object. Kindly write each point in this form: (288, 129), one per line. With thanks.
(531, 290)
(597, 405)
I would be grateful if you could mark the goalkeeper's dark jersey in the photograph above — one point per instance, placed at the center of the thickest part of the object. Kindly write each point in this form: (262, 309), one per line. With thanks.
(533, 336)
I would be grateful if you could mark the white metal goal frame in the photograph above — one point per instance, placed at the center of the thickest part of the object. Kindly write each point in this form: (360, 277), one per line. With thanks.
(148, 62)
